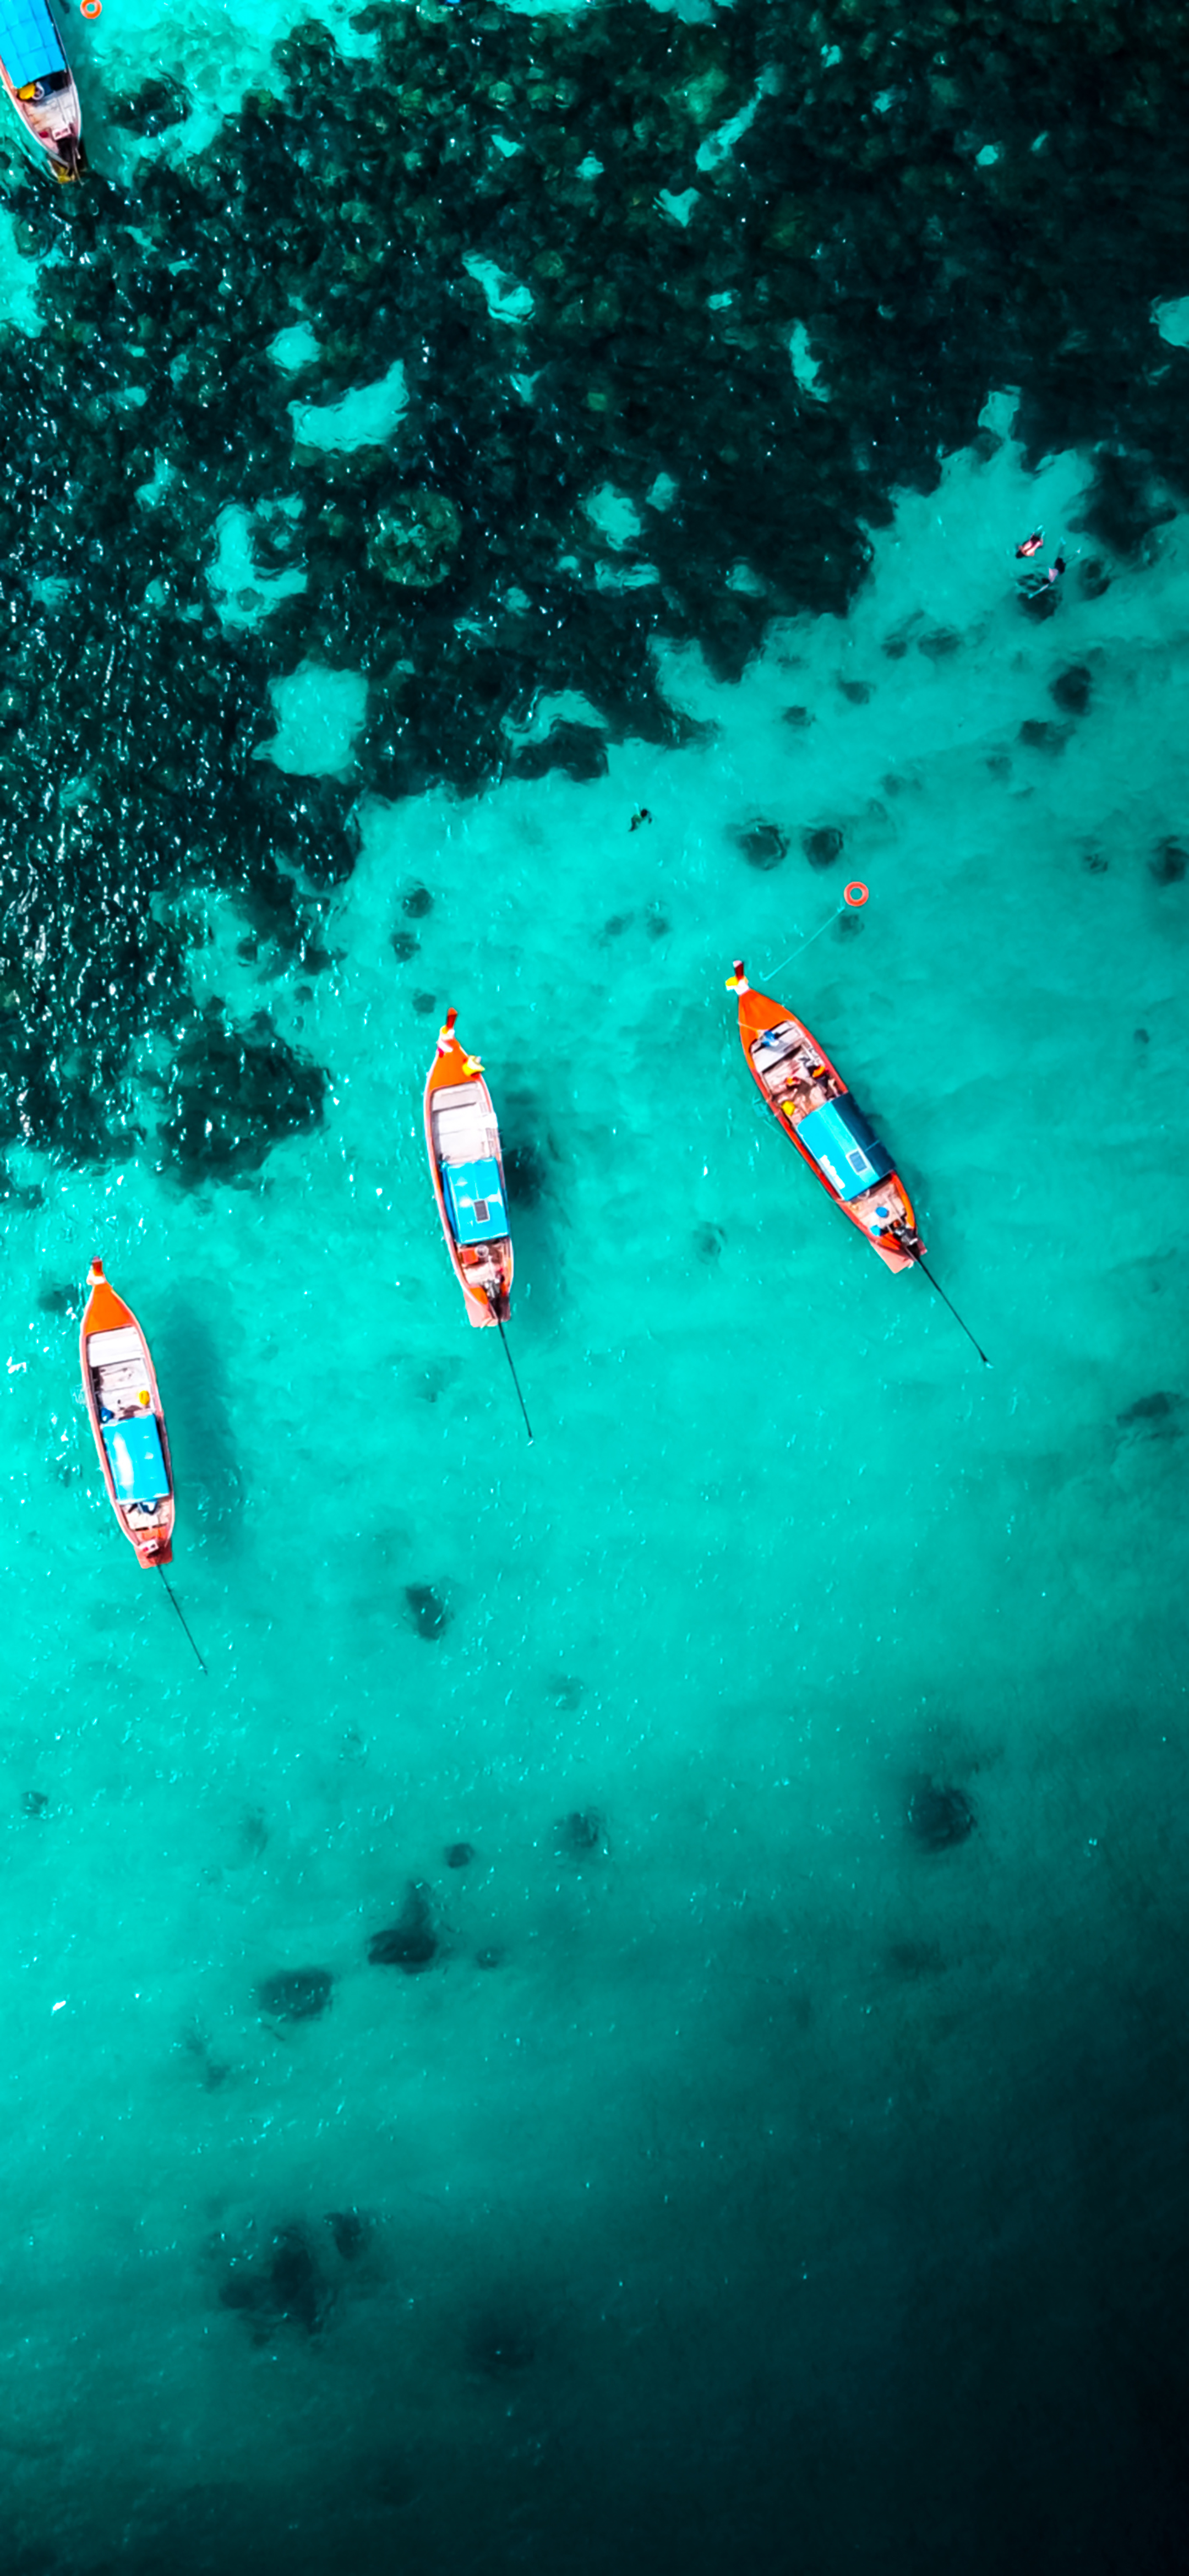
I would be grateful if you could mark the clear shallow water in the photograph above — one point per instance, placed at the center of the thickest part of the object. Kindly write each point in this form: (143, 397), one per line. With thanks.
(755, 2170)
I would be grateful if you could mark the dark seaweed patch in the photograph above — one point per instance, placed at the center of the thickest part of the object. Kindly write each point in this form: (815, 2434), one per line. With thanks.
(1071, 689)
(581, 1834)
(764, 845)
(939, 1817)
(411, 1942)
(156, 105)
(1038, 734)
(283, 2287)
(427, 1612)
(1169, 863)
(822, 846)
(295, 1994)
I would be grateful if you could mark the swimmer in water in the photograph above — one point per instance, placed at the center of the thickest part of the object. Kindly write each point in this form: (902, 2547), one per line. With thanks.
(1031, 545)
(1036, 585)
(641, 815)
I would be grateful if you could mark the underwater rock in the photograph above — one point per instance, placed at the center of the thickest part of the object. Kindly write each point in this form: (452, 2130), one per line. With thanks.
(708, 1242)
(577, 748)
(154, 106)
(35, 1803)
(215, 2071)
(492, 1957)
(233, 1092)
(939, 643)
(499, 2346)
(1093, 578)
(404, 944)
(1169, 864)
(1095, 863)
(822, 846)
(459, 1855)
(914, 1959)
(763, 845)
(295, 1994)
(350, 2232)
(565, 1690)
(856, 692)
(939, 1817)
(414, 540)
(1141, 1037)
(285, 2287)
(1071, 689)
(1040, 735)
(425, 1004)
(426, 1610)
(1155, 1410)
(1125, 503)
(581, 1833)
(411, 1942)
(416, 903)
(798, 719)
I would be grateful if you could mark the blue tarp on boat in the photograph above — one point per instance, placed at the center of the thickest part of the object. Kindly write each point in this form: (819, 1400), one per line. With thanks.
(29, 46)
(474, 1201)
(134, 1456)
(844, 1147)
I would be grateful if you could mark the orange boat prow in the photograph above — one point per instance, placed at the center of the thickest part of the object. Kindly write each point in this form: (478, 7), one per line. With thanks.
(811, 1103)
(462, 1140)
(124, 1405)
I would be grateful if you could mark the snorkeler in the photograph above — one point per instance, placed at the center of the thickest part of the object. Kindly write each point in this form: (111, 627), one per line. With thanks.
(1038, 585)
(1031, 545)
(641, 815)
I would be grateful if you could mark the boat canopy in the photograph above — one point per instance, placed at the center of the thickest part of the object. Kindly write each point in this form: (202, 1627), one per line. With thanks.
(844, 1147)
(29, 46)
(475, 1201)
(134, 1456)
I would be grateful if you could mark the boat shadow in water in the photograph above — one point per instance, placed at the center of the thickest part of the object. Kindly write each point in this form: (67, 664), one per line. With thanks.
(532, 1172)
(193, 1376)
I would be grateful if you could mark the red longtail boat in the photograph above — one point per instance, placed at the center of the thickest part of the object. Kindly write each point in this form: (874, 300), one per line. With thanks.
(463, 1142)
(810, 1101)
(124, 1403)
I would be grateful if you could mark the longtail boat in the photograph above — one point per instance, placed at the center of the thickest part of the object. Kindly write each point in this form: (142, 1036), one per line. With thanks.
(810, 1101)
(463, 1142)
(38, 80)
(124, 1404)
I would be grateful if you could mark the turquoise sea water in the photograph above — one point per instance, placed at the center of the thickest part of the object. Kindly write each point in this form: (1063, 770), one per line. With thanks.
(754, 2177)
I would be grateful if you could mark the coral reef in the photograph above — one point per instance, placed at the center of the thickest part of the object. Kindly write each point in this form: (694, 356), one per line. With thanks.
(678, 306)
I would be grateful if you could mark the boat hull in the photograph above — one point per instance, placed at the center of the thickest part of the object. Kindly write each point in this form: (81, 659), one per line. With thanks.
(40, 87)
(455, 1090)
(758, 1013)
(116, 1364)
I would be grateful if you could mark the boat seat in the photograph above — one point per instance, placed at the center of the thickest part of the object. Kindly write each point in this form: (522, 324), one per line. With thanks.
(124, 1344)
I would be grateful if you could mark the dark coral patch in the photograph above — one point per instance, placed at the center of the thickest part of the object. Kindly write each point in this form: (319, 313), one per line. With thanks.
(295, 1994)
(411, 1942)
